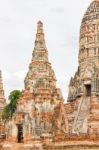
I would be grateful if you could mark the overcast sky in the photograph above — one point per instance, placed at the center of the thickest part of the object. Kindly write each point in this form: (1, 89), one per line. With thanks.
(18, 19)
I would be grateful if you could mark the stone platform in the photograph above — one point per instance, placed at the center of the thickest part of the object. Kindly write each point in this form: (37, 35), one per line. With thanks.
(72, 145)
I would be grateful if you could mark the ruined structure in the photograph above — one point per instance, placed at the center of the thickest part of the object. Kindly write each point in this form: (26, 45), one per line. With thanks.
(84, 87)
(41, 113)
(35, 108)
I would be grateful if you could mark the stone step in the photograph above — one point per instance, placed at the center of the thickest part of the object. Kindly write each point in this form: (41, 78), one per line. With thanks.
(81, 114)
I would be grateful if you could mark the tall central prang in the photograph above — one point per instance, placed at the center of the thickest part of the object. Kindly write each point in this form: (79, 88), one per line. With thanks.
(84, 87)
(86, 79)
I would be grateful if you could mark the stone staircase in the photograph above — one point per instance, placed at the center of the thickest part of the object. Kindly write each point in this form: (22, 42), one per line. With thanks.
(80, 118)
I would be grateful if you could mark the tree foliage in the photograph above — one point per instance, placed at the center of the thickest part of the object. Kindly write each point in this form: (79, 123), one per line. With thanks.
(6, 112)
(11, 107)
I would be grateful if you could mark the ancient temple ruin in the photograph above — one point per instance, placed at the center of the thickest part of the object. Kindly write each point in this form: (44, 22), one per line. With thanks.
(41, 113)
(35, 108)
(84, 86)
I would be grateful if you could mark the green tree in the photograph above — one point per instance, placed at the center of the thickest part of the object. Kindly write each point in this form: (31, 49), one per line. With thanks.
(11, 107)
(6, 112)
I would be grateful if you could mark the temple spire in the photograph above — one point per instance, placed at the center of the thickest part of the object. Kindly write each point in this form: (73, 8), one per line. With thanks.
(40, 52)
(39, 27)
(40, 41)
(40, 74)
